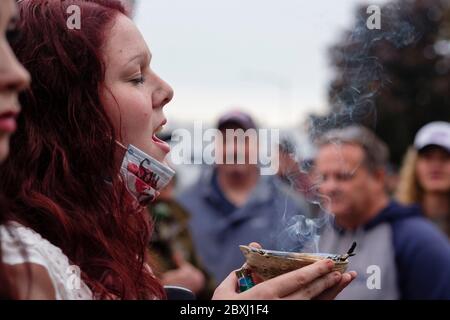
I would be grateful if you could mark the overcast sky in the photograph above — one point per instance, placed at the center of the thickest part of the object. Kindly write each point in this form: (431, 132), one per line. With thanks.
(266, 56)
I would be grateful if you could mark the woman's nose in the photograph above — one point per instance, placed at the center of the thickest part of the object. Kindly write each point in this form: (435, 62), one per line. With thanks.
(13, 76)
(162, 95)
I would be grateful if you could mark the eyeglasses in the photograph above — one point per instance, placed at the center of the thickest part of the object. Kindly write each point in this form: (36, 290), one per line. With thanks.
(340, 176)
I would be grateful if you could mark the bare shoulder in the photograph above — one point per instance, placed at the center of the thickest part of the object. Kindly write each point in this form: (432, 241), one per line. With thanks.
(32, 281)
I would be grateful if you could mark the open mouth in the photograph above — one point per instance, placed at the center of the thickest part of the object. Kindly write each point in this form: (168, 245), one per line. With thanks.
(8, 122)
(164, 146)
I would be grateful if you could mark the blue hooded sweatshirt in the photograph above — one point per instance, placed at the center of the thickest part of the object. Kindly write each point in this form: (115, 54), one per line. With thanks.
(400, 255)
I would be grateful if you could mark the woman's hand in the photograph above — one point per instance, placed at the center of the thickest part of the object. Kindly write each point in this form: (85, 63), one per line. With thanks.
(316, 281)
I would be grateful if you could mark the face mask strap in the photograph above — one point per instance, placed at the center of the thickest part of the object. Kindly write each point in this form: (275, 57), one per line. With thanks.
(121, 145)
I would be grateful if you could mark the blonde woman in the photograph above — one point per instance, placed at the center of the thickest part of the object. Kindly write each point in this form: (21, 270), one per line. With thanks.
(425, 175)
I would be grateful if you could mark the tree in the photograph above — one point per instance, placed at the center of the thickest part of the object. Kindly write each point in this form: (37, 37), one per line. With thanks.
(396, 79)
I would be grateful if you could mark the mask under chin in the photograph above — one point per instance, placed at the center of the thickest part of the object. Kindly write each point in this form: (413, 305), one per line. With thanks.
(144, 176)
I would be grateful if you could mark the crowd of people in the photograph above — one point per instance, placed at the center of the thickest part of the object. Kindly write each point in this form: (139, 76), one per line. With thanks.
(231, 204)
(85, 185)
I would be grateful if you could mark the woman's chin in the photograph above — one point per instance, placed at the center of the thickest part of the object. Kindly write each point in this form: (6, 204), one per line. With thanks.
(158, 153)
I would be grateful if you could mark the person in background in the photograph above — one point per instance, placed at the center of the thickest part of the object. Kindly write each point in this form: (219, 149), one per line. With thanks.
(425, 174)
(288, 165)
(233, 204)
(392, 179)
(399, 253)
(296, 181)
(171, 248)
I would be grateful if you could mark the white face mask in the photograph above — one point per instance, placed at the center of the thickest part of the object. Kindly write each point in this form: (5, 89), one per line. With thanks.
(144, 175)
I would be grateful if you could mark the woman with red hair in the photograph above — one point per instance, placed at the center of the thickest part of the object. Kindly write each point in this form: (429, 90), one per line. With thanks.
(86, 160)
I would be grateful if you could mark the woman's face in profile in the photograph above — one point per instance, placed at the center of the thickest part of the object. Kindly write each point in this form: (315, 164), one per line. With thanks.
(13, 77)
(133, 95)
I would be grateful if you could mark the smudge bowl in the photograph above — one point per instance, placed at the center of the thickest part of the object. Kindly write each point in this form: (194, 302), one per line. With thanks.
(269, 263)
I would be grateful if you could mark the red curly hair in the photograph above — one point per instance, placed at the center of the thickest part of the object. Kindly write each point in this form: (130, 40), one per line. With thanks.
(61, 178)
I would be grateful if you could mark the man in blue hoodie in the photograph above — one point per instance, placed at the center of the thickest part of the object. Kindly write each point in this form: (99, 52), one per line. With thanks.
(400, 255)
(233, 204)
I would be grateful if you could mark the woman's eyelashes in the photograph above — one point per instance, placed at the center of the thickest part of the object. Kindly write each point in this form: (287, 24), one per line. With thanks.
(141, 77)
(139, 80)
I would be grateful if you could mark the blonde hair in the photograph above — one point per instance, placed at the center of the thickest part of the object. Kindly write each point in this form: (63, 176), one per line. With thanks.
(409, 190)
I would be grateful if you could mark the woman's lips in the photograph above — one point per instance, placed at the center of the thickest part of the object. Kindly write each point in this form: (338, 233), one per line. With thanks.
(164, 146)
(435, 176)
(8, 122)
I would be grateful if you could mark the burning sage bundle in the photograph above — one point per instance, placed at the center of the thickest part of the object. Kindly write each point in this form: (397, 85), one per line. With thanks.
(269, 263)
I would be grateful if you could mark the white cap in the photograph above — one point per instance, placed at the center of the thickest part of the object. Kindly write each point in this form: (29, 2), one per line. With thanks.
(435, 133)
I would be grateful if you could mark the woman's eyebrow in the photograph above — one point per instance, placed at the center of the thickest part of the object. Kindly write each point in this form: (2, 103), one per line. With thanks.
(147, 57)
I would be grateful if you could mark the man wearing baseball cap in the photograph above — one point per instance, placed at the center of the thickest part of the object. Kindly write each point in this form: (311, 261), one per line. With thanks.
(232, 204)
(237, 118)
